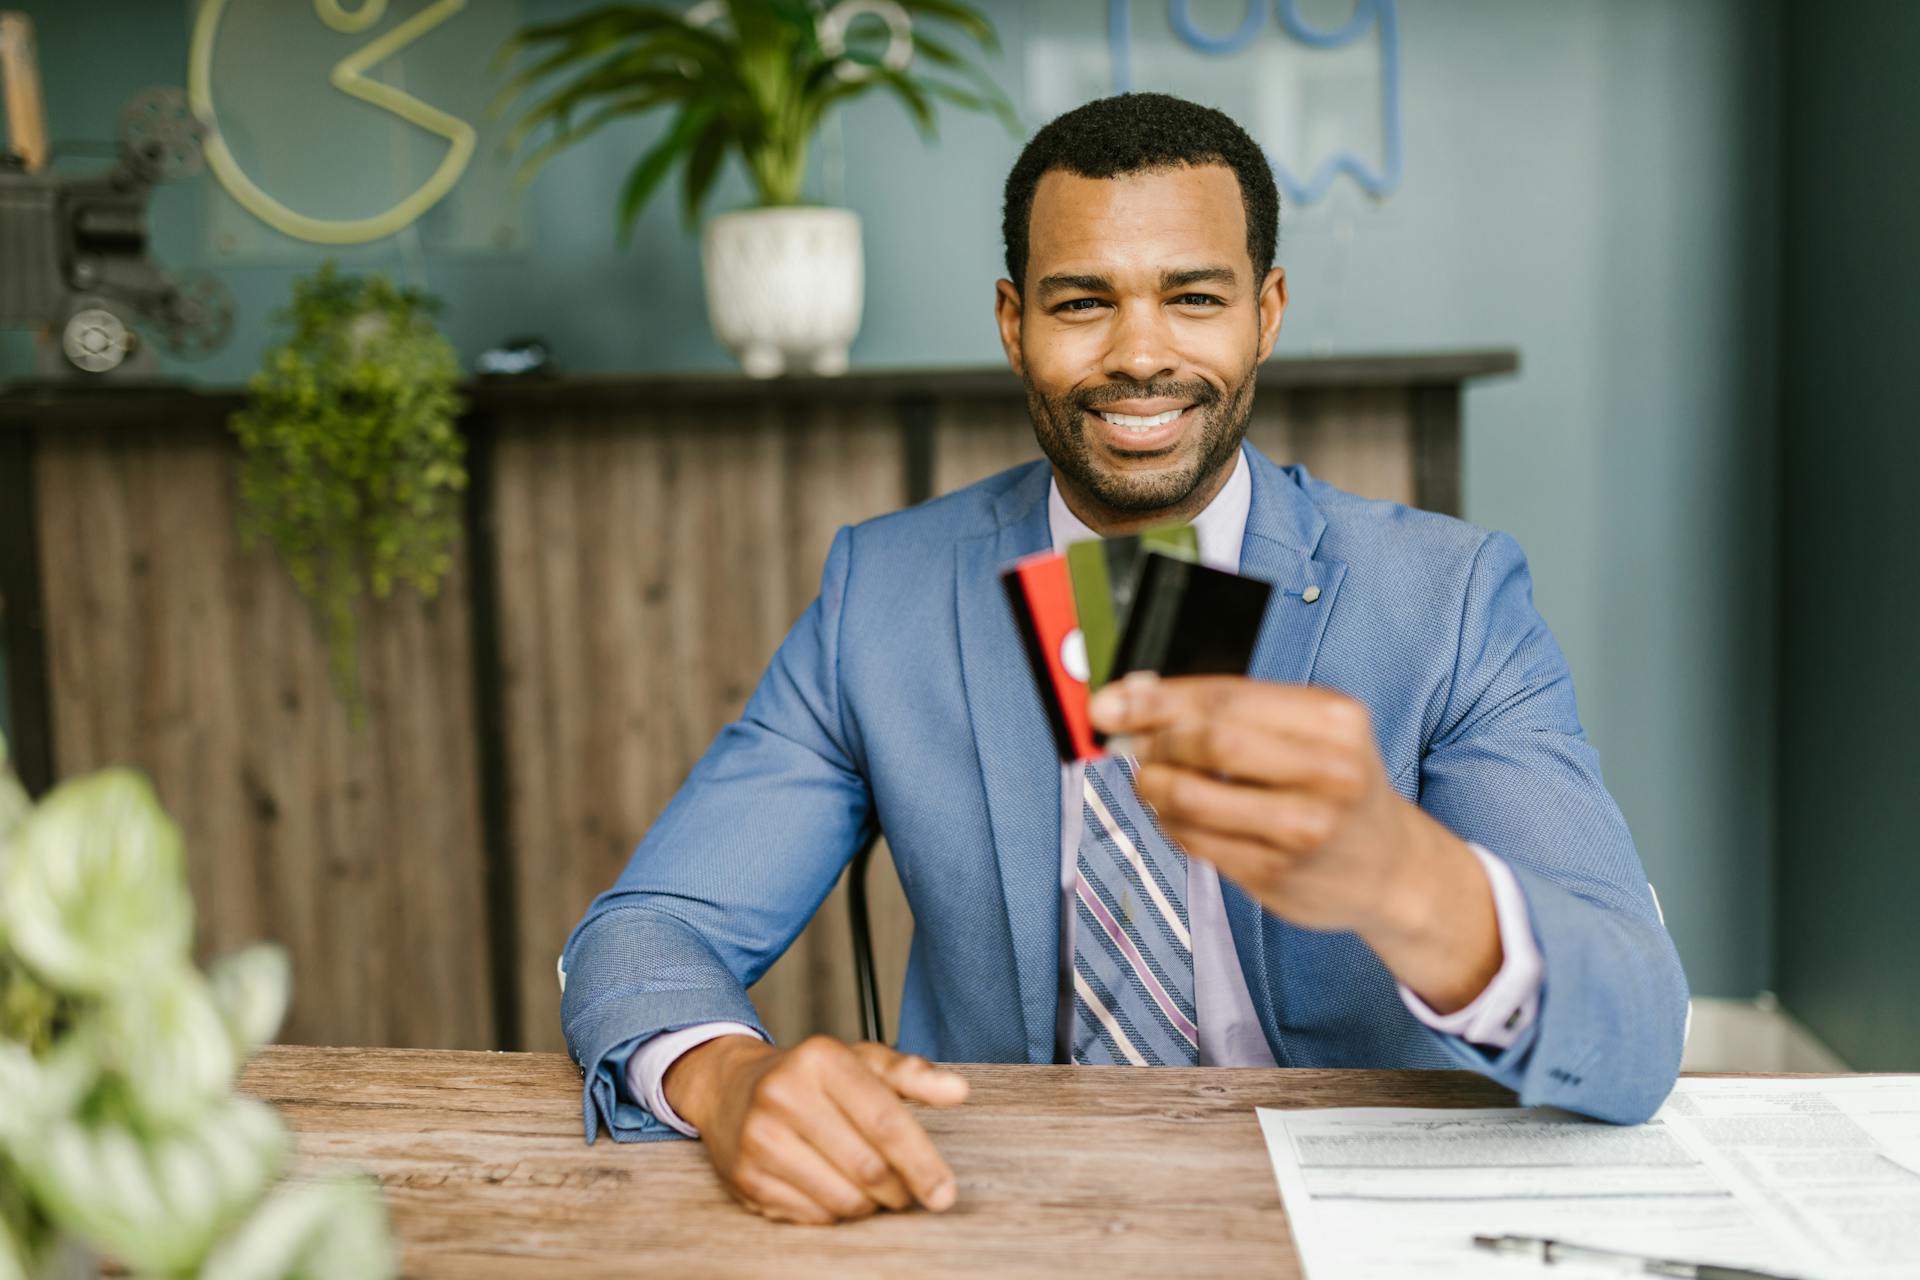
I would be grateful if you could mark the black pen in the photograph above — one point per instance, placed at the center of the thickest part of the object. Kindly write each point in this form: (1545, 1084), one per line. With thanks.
(1552, 1251)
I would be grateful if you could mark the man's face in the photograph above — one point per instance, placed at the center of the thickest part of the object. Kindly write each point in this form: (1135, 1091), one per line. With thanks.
(1137, 331)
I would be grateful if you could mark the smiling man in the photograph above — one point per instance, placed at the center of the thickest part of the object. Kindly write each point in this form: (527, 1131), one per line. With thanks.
(1388, 846)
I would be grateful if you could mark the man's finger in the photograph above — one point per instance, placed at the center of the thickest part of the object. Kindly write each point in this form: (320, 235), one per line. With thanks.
(834, 1136)
(797, 1163)
(914, 1077)
(1285, 819)
(1275, 755)
(1251, 864)
(1142, 702)
(771, 1198)
(877, 1112)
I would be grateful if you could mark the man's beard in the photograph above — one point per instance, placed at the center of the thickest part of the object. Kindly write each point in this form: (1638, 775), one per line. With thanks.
(1060, 425)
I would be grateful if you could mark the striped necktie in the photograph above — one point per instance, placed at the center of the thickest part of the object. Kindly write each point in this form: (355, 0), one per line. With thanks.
(1132, 952)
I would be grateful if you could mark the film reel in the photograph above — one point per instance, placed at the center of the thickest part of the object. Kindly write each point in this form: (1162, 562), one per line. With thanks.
(96, 340)
(160, 137)
(195, 315)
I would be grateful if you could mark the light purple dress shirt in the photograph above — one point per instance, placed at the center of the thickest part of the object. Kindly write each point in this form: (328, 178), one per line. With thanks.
(1230, 1034)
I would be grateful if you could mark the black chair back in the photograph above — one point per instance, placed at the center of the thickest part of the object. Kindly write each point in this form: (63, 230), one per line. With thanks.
(871, 1025)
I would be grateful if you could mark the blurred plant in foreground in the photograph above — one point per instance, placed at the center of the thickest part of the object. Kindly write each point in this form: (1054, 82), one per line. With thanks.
(120, 1136)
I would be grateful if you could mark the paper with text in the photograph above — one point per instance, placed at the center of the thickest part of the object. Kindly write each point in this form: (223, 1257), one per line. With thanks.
(1811, 1177)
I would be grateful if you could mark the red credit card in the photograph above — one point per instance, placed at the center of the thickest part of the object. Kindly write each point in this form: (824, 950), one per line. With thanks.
(1041, 593)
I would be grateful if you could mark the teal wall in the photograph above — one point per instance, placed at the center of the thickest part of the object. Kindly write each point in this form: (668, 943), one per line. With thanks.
(1849, 963)
(1590, 181)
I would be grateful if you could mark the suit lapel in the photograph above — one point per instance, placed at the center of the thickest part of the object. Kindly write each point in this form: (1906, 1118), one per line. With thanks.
(1283, 534)
(1017, 761)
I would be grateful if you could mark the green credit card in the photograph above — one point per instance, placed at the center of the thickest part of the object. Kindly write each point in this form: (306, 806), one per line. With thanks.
(1105, 574)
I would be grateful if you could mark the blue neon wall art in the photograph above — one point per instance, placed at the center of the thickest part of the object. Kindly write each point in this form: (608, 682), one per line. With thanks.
(1367, 14)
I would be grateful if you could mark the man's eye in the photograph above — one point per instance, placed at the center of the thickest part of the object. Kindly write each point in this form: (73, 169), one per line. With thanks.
(1197, 300)
(1079, 304)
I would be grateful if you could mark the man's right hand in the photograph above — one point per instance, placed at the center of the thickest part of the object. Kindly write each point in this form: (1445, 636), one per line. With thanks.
(816, 1133)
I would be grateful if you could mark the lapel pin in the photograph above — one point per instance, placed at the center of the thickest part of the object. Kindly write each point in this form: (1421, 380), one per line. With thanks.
(1310, 595)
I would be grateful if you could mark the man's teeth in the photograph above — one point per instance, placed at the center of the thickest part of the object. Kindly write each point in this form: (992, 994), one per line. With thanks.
(1134, 423)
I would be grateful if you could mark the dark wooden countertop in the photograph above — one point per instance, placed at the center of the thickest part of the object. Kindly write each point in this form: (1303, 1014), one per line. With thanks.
(50, 403)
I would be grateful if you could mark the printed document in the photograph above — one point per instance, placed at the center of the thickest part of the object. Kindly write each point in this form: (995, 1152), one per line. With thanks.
(1809, 1177)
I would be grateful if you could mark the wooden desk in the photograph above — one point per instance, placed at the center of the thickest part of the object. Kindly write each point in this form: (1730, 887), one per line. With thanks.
(1107, 1171)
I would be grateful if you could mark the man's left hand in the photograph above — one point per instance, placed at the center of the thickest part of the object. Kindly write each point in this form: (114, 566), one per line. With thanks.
(1282, 788)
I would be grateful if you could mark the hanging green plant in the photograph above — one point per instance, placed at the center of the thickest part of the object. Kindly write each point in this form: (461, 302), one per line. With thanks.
(353, 462)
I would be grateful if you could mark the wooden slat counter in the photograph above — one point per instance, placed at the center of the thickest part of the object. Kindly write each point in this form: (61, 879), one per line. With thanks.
(1106, 1171)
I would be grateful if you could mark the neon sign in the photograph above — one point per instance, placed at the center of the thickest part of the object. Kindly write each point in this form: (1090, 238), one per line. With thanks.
(1367, 14)
(349, 75)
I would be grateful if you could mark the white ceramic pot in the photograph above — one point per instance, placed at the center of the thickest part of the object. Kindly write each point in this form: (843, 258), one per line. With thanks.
(784, 287)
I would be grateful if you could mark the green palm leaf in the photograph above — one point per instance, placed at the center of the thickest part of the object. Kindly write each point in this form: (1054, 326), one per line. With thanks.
(987, 95)
(654, 165)
(638, 104)
(703, 166)
(912, 96)
(680, 52)
(964, 16)
(621, 19)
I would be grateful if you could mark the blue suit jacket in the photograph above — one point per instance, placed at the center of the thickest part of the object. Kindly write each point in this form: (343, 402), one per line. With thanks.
(902, 697)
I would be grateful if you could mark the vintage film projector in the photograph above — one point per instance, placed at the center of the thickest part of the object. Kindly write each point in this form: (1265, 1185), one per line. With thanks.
(73, 250)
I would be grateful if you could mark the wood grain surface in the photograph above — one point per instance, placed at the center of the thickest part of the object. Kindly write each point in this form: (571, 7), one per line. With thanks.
(649, 568)
(1108, 1171)
(177, 651)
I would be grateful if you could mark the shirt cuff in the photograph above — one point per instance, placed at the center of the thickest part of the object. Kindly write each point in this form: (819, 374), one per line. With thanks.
(1503, 1011)
(647, 1067)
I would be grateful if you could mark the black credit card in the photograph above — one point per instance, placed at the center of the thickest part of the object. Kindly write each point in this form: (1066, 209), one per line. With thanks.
(1190, 620)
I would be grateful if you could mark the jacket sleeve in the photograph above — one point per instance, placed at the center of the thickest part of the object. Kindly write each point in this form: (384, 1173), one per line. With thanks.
(729, 875)
(1510, 769)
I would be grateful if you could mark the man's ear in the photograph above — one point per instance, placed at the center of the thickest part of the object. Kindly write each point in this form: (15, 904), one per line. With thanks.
(1006, 314)
(1273, 304)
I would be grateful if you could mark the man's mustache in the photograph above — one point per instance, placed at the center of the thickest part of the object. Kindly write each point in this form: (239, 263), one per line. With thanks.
(1097, 398)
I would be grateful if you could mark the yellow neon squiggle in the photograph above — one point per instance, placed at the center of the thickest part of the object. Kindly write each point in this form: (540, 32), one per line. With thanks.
(340, 20)
(349, 76)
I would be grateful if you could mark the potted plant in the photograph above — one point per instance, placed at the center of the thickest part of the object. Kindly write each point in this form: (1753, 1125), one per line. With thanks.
(752, 79)
(353, 463)
(121, 1138)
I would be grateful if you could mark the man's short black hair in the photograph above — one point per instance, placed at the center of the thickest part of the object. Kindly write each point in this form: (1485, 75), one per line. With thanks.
(1138, 133)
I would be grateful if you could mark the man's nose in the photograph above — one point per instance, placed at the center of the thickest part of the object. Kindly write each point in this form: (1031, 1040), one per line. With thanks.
(1142, 347)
